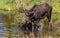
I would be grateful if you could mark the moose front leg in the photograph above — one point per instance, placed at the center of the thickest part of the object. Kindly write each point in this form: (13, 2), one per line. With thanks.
(32, 34)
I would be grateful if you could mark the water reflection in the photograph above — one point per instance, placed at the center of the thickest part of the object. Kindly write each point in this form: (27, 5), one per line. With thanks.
(2, 30)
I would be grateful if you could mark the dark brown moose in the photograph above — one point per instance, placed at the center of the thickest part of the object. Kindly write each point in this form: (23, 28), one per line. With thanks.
(38, 12)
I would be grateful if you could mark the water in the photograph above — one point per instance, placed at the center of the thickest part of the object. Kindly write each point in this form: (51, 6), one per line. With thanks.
(2, 30)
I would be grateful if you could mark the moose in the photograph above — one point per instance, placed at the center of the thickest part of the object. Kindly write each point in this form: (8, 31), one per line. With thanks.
(38, 12)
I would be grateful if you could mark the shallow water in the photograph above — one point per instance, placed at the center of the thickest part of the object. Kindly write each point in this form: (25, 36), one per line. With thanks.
(2, 32)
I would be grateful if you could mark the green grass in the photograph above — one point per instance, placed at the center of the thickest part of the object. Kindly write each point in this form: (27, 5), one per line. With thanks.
(6, 4)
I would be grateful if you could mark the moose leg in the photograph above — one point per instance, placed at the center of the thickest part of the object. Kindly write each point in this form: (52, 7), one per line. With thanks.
(50, 22)
(32, 34)
(50, 34)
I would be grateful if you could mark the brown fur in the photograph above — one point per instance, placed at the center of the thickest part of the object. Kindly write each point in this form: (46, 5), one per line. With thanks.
(39, 12)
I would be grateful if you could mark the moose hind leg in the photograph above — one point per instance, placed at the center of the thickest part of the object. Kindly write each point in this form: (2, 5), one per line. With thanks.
(49, 19)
